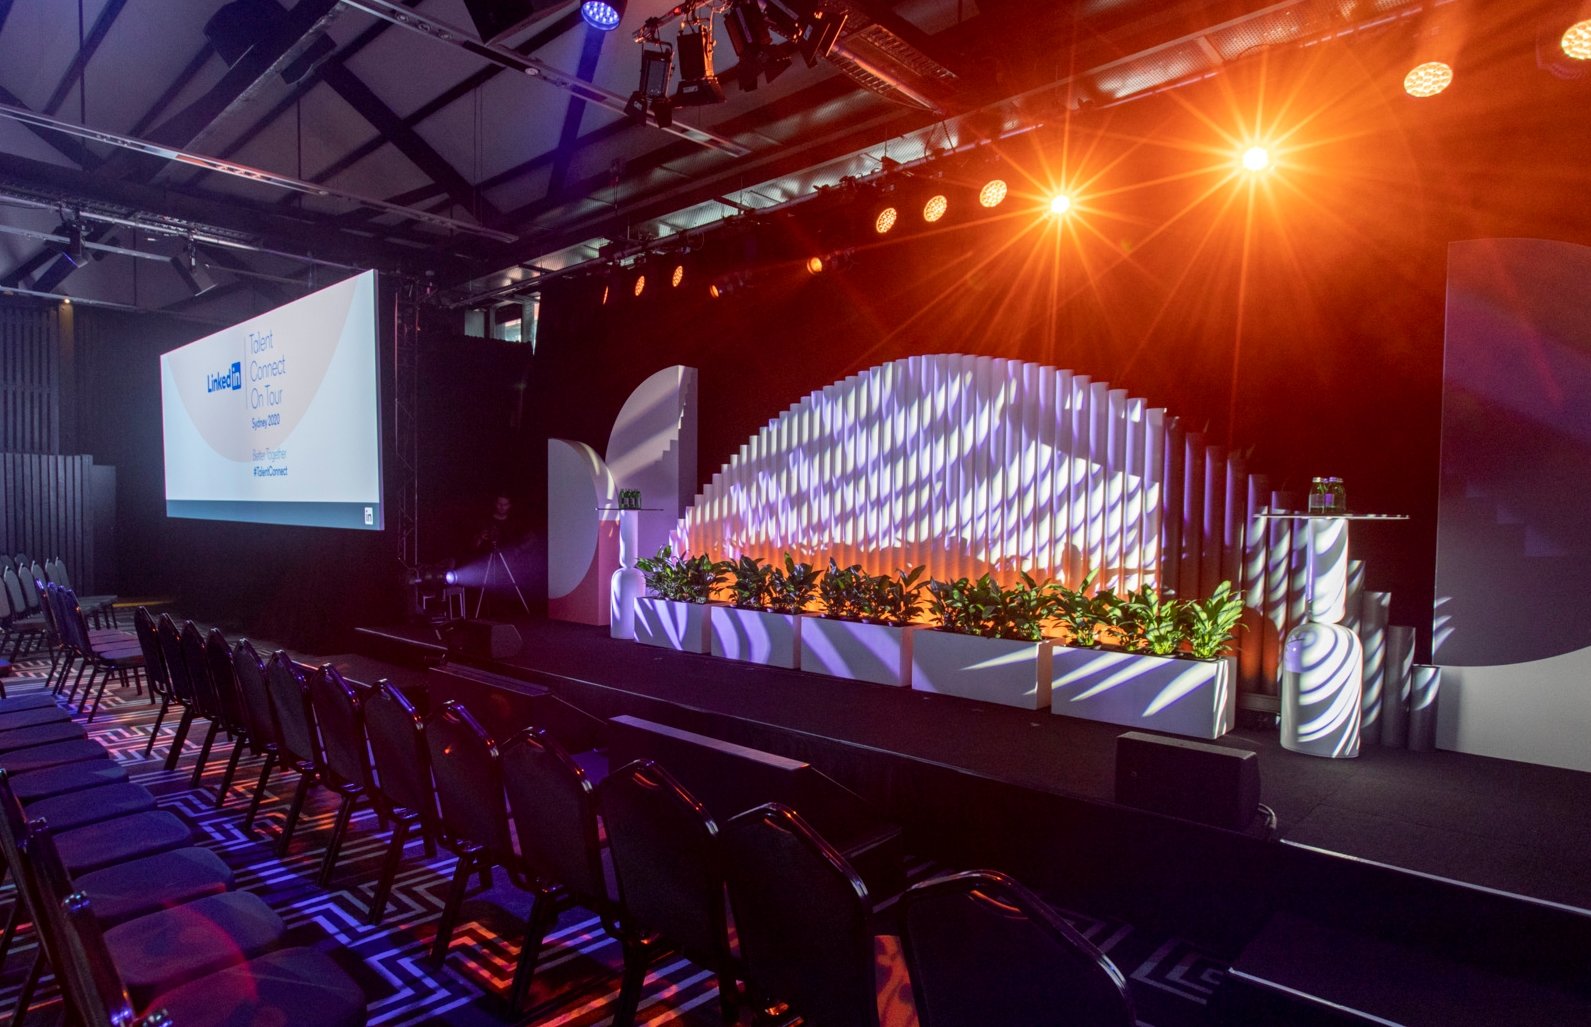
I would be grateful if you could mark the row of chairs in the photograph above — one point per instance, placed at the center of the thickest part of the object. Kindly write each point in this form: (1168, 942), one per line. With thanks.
(134, 920)
(555, 822)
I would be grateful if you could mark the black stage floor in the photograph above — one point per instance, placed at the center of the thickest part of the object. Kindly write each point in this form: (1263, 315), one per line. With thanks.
(1510, 826)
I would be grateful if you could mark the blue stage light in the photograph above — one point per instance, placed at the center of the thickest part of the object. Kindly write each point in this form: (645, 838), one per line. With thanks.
(600, 14)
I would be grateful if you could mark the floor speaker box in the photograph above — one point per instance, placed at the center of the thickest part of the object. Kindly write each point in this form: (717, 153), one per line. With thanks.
(482, 639)
(1212, 784)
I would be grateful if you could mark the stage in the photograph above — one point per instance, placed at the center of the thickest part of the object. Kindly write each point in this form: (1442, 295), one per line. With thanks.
(1510, 826)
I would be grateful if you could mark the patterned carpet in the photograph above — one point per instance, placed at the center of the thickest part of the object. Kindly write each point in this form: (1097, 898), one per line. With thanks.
(577, 981)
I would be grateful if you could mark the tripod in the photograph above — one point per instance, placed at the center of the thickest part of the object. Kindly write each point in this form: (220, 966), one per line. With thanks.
(492, 563)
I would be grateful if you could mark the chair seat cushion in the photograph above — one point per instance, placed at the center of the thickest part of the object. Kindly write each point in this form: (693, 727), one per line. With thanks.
(142, 886)
(36, 701)
(39, 734)
(298, 986)
(175, 946)
(70, 777)
(91, 805)
(33, 718)
(22, 761)
(114, 841)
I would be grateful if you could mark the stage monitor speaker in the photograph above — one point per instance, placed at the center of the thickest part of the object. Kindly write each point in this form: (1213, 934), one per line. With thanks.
(496, 19)
(1211, 784)
(482, 639)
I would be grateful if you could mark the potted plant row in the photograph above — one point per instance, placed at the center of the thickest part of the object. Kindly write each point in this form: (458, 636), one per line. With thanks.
(1143, 659)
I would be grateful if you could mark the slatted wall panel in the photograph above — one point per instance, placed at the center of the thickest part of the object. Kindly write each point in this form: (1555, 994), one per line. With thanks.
(970, 464)
(47, 510)
(30, 411)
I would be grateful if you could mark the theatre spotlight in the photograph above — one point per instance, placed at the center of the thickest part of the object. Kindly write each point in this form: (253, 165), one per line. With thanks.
(698, 86)
(677, 275)
(812, 28)
(639, 285)
(885, 220)
(1256, 159)
(657, 63)
(814, 265)
(602, 15)
(73, 249)
(753, 44)
(1576, 41)
(1428, 79)
(1060, 204)
(935, 207)
(992, 194)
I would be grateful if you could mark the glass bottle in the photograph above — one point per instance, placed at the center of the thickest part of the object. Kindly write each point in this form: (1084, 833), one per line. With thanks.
(1319, 496)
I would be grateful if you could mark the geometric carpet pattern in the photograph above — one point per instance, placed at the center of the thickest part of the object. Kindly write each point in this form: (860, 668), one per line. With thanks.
(578, 977)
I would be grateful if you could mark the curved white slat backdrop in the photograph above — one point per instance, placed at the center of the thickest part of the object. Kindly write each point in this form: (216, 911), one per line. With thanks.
(971, 463)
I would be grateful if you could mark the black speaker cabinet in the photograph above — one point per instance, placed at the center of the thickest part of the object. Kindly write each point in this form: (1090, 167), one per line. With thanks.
(482, 639)
(1211, 784)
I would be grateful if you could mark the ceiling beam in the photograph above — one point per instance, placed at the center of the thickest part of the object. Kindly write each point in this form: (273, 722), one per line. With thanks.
(410, 143)
(74, 72)
(191, 70)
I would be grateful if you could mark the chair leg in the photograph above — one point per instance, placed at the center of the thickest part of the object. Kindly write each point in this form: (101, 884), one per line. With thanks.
(450, 911)
(101, 693)
(728, 997)
(154, 732)
(204, 751)
(231, 769)
(543, 914)
(259, 791)
(389, 871)
(339, 828)
(180, 737)
(635, 960)
(304, 781)
(13, 922)
(25, 995)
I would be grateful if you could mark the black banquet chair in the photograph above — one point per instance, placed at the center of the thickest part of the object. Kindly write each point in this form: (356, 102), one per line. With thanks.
(670, 868)
(981, 948)
(804, 920)
(396, 733)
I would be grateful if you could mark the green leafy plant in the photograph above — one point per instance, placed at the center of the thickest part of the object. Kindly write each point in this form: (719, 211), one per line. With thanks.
(681, 579)
(845, 592)
(793, 587)
(748, 587)
(896, 599)
(984, 608)
(1150, 622)
(1208, 623)
(1024, 607)
(1082, 614)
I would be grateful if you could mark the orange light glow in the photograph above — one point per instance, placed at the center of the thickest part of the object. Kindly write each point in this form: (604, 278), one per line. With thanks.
(606, 290)
(1427, 79)
(814, 265)
(640, 284)
(1060, 204)
(885, 220)
(678, 277)
(714, 291)
(935, 208)
(993, 193)
(1576, 41)
(1256, 158)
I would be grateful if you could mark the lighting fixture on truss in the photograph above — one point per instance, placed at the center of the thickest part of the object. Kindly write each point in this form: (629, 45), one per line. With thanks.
(698, 85)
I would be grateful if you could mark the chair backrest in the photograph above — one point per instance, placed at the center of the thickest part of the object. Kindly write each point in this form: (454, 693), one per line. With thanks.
(981, 948)
(258, 715)
(206, 701)
(30, 592)
(14, 599)
(555, 814)
(21, 856)
(154, 657)
(803, 919)
(339, 716)
(49, 606)
(60, 577)
(469, 781)
(176, 663)
(667, 858)
(52, 570)
(38, 576)
(396, 733)
(223, 678)
(69, 616)
(6, 564)
(295, 725)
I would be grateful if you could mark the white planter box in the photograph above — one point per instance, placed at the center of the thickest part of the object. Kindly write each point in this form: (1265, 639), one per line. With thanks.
(662, 622)
(999, 670)
(757, 636)
(880, 653)
(1196, 698)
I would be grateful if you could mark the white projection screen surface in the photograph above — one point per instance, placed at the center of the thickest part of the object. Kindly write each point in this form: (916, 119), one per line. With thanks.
(277, 420)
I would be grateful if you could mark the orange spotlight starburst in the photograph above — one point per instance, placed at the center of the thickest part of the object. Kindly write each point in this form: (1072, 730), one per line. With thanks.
(1428, 79)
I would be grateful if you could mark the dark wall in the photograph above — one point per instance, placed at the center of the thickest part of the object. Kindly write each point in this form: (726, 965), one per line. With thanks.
(1297, 315)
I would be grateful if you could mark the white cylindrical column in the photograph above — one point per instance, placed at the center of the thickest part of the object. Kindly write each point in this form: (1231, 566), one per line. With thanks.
(1328, 569)
(1322, 667)
(627, 581)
